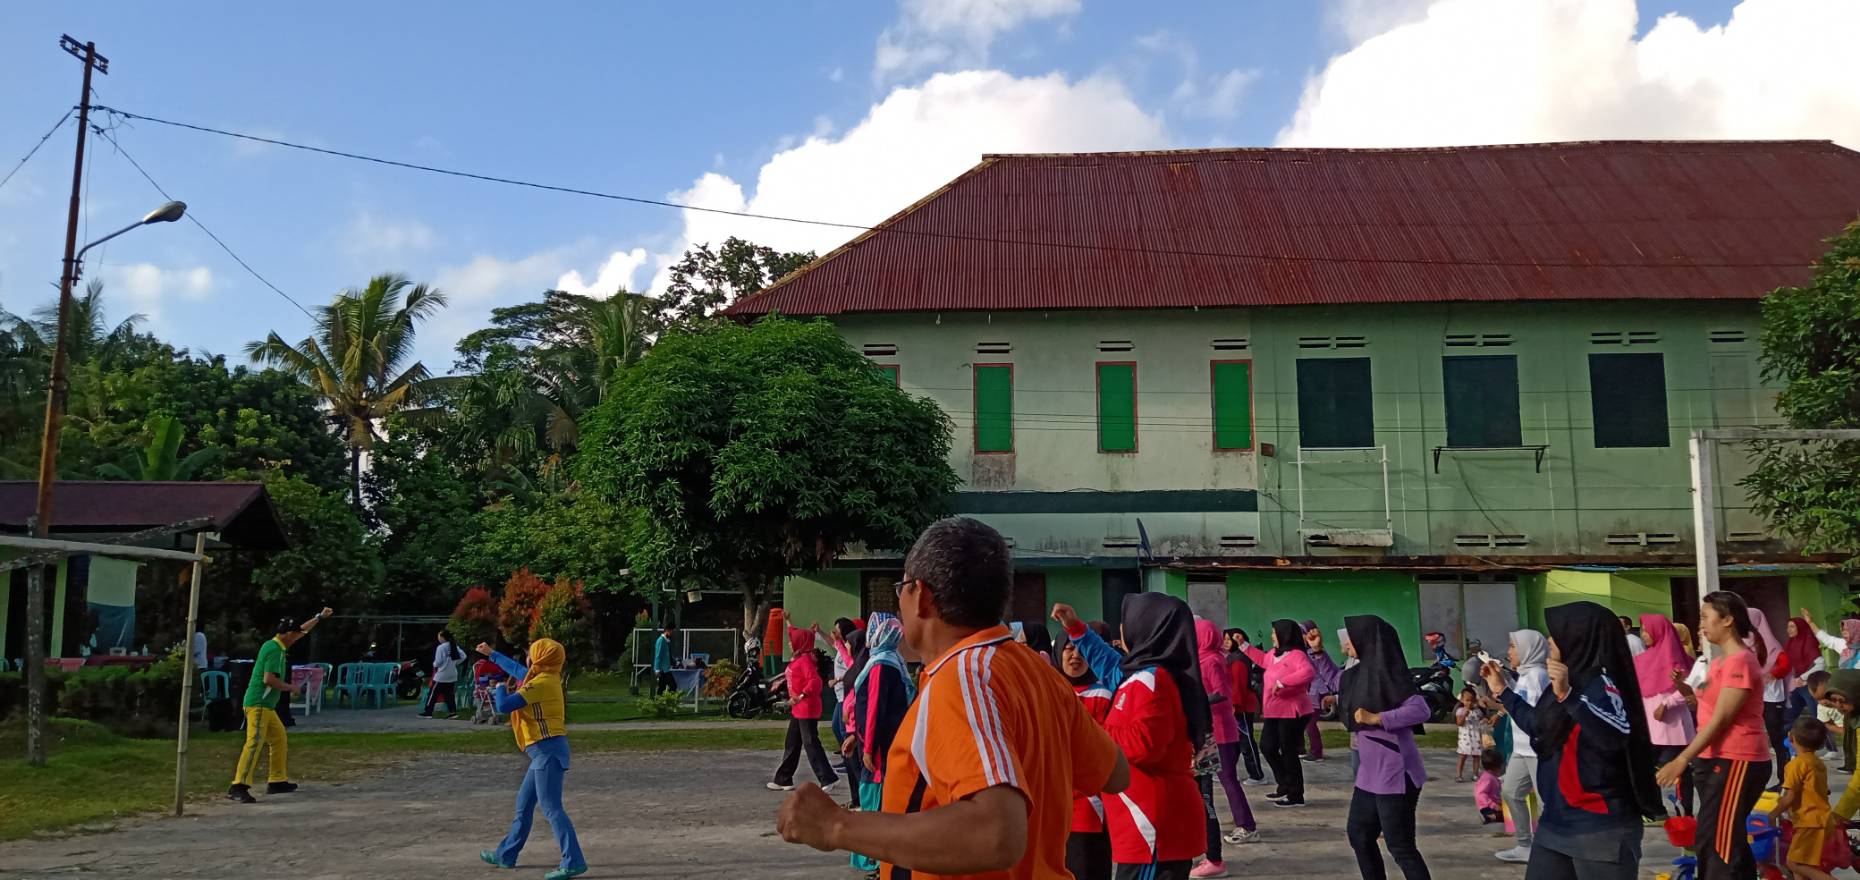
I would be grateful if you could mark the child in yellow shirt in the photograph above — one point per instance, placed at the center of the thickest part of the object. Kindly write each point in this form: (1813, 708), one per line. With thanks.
(1805, 800)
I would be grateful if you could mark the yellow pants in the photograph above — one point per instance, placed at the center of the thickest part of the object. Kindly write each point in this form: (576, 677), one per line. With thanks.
(262, 722)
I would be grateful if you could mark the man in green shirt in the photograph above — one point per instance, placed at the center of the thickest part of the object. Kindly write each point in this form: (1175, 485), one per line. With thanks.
(271, 679)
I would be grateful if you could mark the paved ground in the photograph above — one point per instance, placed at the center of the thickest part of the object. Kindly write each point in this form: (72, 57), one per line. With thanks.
(405, 718)
(659, 815)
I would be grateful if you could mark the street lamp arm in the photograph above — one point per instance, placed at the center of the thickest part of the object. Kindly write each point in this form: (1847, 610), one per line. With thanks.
(80, 254)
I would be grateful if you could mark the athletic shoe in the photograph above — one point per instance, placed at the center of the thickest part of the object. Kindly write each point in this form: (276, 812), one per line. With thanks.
(1312, 759)
(1209, 869)
(241, 794)
(776, 786)
(565, 873)
(1241, 835)
(280, 788)
(1516, 855)
(490, 858)
(454, 716)
(1259, 781)
(1289, 802)
(831, 787)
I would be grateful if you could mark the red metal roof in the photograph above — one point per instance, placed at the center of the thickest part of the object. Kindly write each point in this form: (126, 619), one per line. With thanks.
(240, 512)
(1257, 227)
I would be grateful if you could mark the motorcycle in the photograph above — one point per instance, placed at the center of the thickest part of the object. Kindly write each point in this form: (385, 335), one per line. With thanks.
(1436, 686)
(751, 695)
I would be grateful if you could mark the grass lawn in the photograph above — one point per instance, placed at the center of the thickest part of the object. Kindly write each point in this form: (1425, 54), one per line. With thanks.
(93, 775)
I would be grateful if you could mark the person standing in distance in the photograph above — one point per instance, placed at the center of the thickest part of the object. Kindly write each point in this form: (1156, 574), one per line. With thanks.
(980, 779)
(271, 676)
(662, 680)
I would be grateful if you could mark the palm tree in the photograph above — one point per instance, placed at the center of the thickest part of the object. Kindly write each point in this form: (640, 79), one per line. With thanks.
(88, 334)
(356, 359)
(161, 458)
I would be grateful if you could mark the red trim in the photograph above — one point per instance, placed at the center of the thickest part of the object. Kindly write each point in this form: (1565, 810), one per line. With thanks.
(1136, 442)
(975, 406)
(1252, 411)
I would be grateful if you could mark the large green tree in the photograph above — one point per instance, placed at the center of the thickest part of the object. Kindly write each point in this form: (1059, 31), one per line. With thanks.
(748, 453)
(1811, 345)
(705, 281)
(358, 359)
(425, 511)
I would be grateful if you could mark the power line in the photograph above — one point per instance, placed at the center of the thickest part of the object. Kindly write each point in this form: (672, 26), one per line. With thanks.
(35, 147)
(957, 236)
(191, 215)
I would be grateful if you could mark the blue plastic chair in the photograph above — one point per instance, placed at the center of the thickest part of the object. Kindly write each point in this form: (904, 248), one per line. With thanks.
(379, 685)
(349, 684)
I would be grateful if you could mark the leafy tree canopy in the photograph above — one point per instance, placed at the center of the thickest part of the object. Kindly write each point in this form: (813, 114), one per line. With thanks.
(705, 281)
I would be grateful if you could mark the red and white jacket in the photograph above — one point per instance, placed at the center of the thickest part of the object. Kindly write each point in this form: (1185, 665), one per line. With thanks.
(1088, 811)
(1160, 817)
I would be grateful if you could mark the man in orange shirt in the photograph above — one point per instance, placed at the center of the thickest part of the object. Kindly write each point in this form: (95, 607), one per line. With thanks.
(981, 776)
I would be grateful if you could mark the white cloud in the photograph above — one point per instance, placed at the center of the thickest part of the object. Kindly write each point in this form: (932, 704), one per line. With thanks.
(932, 33)
(1506, 71)
(371, 237)
(1198, 96)
(615, 275)
(908, 144)
(151, 289)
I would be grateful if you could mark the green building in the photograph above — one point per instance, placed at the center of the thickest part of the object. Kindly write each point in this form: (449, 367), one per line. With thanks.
(1446, 386)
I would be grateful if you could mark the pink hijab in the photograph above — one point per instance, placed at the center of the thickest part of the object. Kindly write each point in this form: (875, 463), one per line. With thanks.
(1654, 666)
(1771, 647)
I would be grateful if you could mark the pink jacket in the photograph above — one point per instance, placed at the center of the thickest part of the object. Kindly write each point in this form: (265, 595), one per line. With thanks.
(803, 676)
(1287, 681)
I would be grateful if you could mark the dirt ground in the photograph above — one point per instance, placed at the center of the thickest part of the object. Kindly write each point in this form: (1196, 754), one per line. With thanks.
(658, 815)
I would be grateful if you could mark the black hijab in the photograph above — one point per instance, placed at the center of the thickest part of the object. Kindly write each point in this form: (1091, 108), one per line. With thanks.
(1291, 636)
(1058, 654)
(1380, 680)
(855, 645)
(1159, 630)
(1038, 638)
(1590, 641)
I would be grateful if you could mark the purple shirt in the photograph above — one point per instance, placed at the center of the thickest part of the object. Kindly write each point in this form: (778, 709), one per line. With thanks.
(1327, 674)
(1386, 753)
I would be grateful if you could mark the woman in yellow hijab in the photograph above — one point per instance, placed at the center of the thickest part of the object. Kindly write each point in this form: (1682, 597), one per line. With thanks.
(537, 718)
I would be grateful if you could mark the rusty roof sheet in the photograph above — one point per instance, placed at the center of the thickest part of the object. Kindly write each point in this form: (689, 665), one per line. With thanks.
(241, 513)
(1607, 220)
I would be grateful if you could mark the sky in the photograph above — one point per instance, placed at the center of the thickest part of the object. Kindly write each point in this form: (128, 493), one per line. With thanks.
(837, 111)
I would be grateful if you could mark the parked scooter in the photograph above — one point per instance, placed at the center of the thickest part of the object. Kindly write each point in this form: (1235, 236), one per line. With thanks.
(751, 695)
(1436, 686)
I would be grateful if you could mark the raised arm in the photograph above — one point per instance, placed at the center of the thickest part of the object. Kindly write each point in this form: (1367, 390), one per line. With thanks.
(1104, 660)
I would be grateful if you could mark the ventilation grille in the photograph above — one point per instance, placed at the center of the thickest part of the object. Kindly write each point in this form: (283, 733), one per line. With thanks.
(1235, 542)
(1237, 343)
(1332, 341)
(1122, 543)
(1116, 345)
(1490, 540)
(1624, 337)
(1641, 539)
(1746, 538)
(1478, 340)
(993, 348)
(880, 349)
(1727, 337)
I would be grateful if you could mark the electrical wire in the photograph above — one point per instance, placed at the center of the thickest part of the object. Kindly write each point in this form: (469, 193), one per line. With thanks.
(35, 147)
(957, 236)
(194, 216)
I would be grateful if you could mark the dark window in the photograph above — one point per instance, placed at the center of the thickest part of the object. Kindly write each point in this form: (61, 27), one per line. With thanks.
(1335, 408)
(1114, 585)
(1482, 400)
(1117, 407)
(1029, 602)
(994, 408)
(1628, 395)
(1233, 404)
(876, 593)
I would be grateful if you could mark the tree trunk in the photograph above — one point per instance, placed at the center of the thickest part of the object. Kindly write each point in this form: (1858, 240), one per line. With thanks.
(756, 611)
(355, 478)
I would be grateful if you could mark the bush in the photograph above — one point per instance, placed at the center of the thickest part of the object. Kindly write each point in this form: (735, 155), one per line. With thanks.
(664, 705)
(475, 618)
(720, 677)
(522, 594)
(142, 702)
(564, 615)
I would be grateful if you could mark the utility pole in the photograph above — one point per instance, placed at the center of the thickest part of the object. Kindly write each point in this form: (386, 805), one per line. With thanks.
(54, 412)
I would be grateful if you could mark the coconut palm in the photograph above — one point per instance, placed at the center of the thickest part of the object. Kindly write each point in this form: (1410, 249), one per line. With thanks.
(356, 360)
(161, 459)
(89, 335)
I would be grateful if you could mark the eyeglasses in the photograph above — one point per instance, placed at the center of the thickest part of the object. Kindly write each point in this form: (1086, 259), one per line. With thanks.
(897, 587)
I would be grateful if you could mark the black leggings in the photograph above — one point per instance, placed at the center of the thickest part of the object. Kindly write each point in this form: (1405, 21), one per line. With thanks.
(1154, 871)
(1206, 784)
(1088, 855)
(1283, 741)
(441, 690)
(1390, 816)
(1662, 755)
(1249, 747)
(804, 735)
(1727, 791)
(1773, 724)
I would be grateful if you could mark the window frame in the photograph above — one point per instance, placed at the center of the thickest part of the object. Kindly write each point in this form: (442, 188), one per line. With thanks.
(1666, 400)
(1446, 403)
(975, 404)
(1369, 392)
(1252, 408)
(1136, 434)
(897, 372)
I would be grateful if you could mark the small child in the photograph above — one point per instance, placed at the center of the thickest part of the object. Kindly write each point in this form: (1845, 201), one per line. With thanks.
(1473, 728)
(1805, 800)
(485, 676)
(1486, 790)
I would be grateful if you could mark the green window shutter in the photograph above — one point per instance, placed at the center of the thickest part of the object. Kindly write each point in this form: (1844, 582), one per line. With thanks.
(1117, 407)
(1233, 404)
(1627, 393)
(1335, 407)
(888, 372)
(1482, 400)
(994, 408)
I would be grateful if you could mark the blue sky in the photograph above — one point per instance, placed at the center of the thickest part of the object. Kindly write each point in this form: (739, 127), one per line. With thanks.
(842, 111)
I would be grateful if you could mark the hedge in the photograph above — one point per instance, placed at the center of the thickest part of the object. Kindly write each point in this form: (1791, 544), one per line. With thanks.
(141, 702)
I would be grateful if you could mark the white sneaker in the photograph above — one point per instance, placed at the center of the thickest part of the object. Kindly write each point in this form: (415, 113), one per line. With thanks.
(1260, 781)
(832, 787)
(776, 786)
(1241, 835)
(1516, 855)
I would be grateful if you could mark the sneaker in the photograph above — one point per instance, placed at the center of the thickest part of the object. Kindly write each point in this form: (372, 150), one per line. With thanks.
(1209, 869)
(1289, 802)
(241, 794)
(1312, 759)
(1275, 794)
(490, 858)
(565, 873)
(831, 787)
(777, 786)
(1516, 855)
(280, 788)
(1241, 835)
(454, 716)
(1260, 781)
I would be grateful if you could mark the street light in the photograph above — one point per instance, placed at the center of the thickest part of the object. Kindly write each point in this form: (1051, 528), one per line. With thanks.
(48, 459)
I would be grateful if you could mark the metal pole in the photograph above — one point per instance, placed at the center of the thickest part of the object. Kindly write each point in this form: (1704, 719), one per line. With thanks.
(48, 442)
(1704, 512)
(187, 675)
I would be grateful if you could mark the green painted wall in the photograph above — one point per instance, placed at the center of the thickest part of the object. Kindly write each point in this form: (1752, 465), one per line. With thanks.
(1081, 588)
(820, 597)
(57, 600)
(1256, 598)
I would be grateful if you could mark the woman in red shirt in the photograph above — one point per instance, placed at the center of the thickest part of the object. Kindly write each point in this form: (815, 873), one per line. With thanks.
(1246, 703)
(1732, 748)
(1088, 849)
(1159, 717)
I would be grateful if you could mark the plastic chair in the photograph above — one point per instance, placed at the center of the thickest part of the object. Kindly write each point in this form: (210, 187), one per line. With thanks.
(349, 685)
(380, 682)
(329, 674)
